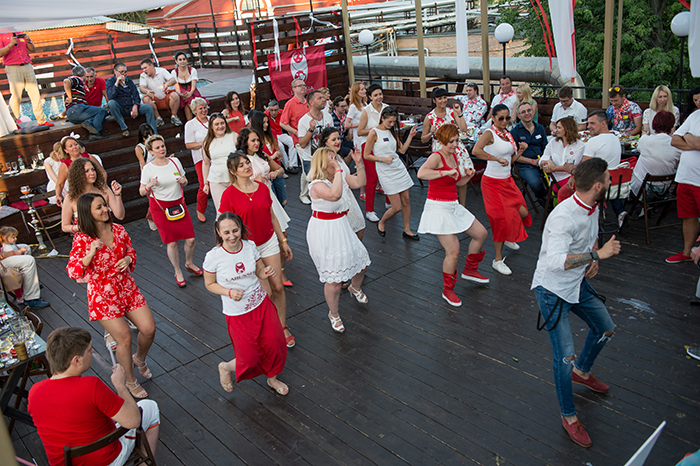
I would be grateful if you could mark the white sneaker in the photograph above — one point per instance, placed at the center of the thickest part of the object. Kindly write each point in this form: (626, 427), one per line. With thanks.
(501, 267)
(372, 217)
(621, 218)
(285, 176)
(387, 206)
(511, 245)
(305, 200)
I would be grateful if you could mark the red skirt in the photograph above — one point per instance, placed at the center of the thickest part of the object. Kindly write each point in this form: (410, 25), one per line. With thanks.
(170, 231)
(502, 200)
(258, 341)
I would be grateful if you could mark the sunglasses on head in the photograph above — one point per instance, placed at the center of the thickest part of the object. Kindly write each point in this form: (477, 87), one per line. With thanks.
(217, 115)
(616, 89)
(501, 118)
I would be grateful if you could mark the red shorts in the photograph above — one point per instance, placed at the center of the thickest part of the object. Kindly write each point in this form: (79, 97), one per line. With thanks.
(688, 200)
(163, 104)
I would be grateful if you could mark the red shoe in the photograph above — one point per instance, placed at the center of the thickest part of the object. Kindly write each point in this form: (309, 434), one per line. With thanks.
(577, 433)
(676, 258)
(46, 123)
(591, 382)
(198, 272)
(287, 283)
(290, 339)
(181, 284)
(448, 283)
(362, 196)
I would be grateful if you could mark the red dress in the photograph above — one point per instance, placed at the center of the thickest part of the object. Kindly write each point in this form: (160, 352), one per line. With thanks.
(254, 210)
(111, 293)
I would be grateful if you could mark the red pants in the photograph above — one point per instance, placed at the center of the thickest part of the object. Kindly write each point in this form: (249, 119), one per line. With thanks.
(564, 192)
(202, 197)
(258, 341)
(372, 180)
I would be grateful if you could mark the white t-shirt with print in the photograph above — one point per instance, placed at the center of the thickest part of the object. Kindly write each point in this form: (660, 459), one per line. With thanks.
(303, 128)
(158, 83)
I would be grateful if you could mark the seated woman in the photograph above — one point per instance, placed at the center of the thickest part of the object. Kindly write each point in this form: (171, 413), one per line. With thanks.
(72, 151)
(562, 155)
(656, 154)
(51, 165)
(661, 100)
(84, 177)
(19, 256)
(524, 94)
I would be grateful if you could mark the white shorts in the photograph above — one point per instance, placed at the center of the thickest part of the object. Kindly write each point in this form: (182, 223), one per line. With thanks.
(270, 247)
(149, 419)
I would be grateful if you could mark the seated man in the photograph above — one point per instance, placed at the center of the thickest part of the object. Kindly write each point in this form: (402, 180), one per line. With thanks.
(20, 258)
(154, 83)
(69, 409)
(124, 99)
(474, 107)
(568, 106)
(77, 109)
(626, 116)
(506, 97)
(95, 88)
(534, 135)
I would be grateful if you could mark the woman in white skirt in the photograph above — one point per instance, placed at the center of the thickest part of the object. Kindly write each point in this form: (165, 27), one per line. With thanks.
(381, 148)
(335, 249)
(330, 138)
(445, 217)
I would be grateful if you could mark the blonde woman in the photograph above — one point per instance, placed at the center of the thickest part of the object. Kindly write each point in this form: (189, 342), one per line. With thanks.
(524, 94)
(51, 166)
(661, 99)
(218, 144)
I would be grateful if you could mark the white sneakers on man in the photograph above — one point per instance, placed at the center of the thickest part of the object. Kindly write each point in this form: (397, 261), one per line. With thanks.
(501, 267)
(512, 246)
(372, 217)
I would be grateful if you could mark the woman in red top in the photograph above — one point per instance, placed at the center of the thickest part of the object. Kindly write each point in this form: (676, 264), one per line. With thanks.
(234, 112)
(252, 202)
(445, 217)
(71, 149)
(102, 252)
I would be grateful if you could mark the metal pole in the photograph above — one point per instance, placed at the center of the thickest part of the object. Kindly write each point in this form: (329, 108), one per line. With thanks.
(348, 42)
(421, 50)
(216, 36)
(485, 50)
(618, 49)
(369, 70)
(607, 50)
(504, 58)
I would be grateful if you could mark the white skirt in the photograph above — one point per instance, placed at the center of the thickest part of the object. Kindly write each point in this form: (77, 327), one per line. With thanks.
(335, 249)
(444, 218)
(394, 177)
(281, 214)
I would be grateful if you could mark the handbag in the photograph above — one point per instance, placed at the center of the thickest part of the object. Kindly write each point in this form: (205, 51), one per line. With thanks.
(176, 212)
(620, 178)
(11, 278)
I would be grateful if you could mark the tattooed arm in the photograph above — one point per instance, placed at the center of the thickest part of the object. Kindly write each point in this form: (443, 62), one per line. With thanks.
(611, 248)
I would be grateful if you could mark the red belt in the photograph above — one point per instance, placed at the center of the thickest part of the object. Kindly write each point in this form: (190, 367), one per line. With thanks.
(328, 215)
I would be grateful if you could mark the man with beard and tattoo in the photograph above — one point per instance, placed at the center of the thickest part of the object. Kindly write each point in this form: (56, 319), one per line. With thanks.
(568, 257)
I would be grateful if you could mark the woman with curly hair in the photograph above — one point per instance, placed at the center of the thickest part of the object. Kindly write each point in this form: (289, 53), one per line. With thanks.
(71, 152)
(234, 112)
(85, 177)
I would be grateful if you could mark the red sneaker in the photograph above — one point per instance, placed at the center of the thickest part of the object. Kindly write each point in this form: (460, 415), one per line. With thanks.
(591, 382)
(676, 258)
(46, 123)
(577, 433)
(362, 196)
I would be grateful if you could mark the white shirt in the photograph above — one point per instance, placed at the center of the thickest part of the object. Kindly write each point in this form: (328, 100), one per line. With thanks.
(508, 100)
(649, 114)
(158, 83)
(656, 156)
(193, 76)
(167, 189)
(576, 110)
(373, 115)
(559, 155)
(219, 150)
(605, 146)
(689, 166)
(569, 230)
(196, 131)
(237, 271)
(303, 128)
(354, 115)
(501, 149)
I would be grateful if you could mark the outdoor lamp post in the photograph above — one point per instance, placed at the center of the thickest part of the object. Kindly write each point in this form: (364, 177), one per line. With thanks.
(366, 37)
(680, 25)
(504, 33)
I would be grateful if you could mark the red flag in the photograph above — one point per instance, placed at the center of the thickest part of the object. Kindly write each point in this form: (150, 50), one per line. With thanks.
(307, 63)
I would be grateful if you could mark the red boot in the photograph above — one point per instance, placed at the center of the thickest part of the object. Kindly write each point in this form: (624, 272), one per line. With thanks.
(448, 282)
(471, 267)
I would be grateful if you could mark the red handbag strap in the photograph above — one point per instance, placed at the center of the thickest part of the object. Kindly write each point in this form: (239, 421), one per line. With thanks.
(181, 188)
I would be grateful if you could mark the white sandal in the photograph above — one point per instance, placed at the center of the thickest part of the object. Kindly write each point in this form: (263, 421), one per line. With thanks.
(336, 324)
(358, 294)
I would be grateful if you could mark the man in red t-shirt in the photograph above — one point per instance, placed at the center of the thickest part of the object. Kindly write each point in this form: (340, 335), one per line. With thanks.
(69, 409)
(285, 141)
(95, 88)
(294, 109)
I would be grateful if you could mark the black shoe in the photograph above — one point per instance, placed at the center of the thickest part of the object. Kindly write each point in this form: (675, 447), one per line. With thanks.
(411, 237)
(36, 303)
(91, 129)
(382, 233)
(293, 170)
(96, 137)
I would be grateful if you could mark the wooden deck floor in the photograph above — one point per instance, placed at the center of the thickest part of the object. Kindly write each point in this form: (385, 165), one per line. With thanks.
(412, 381)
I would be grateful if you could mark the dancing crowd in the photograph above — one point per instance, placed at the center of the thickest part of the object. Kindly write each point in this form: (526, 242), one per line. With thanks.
(351, 143)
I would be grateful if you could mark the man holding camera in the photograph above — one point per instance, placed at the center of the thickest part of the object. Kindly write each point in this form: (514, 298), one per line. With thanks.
(14, 50)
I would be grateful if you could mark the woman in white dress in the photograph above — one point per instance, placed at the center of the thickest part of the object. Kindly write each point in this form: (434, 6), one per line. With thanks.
(661, 99)
(335, 249)
(562, 155)
(330, 138)
(358, 101)
(381, 148)
(368, 120)
(217, 146)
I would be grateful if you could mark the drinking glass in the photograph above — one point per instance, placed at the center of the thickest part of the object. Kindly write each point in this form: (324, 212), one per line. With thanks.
(5, 347)
(29, 332)
(14, 166)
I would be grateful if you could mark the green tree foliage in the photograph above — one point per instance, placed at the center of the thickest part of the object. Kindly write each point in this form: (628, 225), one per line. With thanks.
(133, 17)
(650, 51)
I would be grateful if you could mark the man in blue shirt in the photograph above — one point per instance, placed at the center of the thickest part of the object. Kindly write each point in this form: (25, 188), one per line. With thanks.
(124, 99)
(534, 136)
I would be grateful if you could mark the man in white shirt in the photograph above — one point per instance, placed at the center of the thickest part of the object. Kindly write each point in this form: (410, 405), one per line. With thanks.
(506, 97)
(687, 139)
(154, 83)
(568, 257)
(568, 106)
(309, 134)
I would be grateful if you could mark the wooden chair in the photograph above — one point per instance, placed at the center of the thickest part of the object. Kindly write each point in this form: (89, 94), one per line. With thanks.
(416, 155)
(646, 203)
(137, 455)
(550, 199)
(524, 188)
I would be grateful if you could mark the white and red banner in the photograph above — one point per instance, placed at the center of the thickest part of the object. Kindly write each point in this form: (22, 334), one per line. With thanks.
(307, 63)
(562, 15)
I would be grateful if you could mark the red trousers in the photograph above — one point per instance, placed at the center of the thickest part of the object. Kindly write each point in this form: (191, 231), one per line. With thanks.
(202, 197)
(372, 180)
(258, 341)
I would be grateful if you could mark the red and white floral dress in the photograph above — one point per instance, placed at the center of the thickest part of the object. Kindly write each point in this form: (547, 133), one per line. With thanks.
(111, 293)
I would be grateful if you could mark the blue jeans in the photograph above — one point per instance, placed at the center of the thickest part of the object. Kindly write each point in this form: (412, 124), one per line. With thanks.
(279, 187)
(592, 311)
(119, 112)
(79, 113)
(531, 176)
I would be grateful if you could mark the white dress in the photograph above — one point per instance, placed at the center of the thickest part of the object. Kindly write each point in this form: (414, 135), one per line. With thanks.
(51, 185)
(355, 216)
(335, 249)
(393, 177)
(261, 168)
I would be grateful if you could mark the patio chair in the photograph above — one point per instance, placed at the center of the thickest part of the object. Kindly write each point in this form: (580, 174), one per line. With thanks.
(642, 198)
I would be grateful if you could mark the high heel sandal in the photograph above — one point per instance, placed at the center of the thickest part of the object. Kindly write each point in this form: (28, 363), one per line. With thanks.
(290, 339)
(110, 342)
(225, 378)
(198, 273)
(142, 366)
(336, 324)
(136, 390)
(283, 390)
(286, 282)
(182, 283)
(358, 294)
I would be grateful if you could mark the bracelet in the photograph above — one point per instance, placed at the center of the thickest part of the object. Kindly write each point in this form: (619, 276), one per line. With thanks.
(488, 156)
(338, 170)
(594, 255)
(229, 293)
(283, 240)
